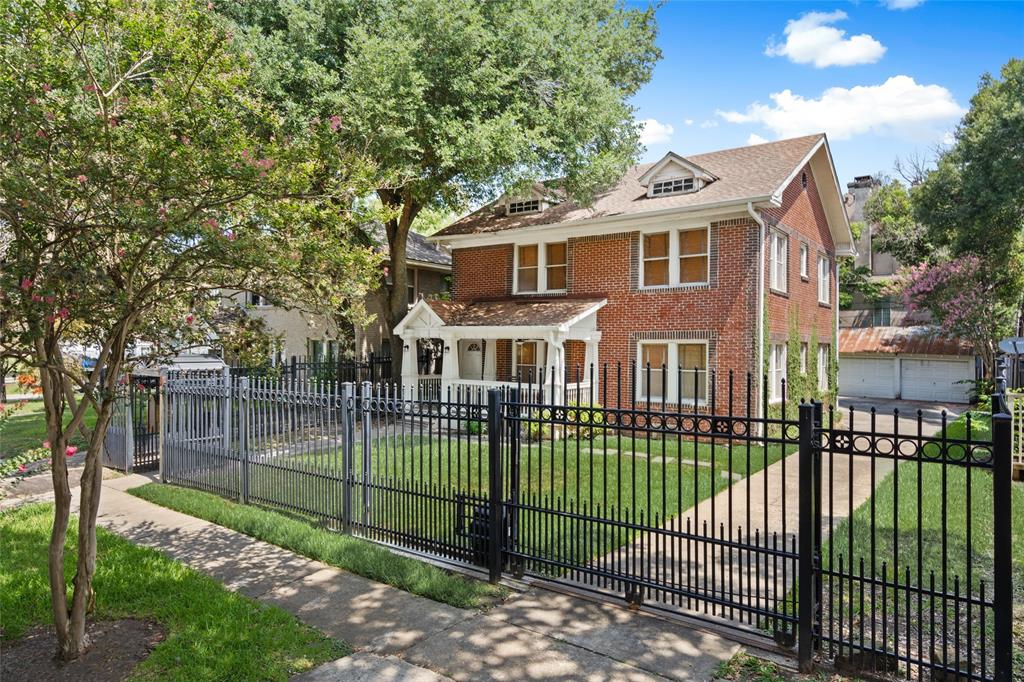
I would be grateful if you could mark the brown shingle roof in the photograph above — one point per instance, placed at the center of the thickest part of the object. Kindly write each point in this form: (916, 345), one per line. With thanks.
(919, 340)
(524, 313)
(743, 173)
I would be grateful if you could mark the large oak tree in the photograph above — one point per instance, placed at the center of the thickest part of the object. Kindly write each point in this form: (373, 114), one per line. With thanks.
(458, 100)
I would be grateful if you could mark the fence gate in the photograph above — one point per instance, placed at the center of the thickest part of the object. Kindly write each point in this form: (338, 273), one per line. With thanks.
(133, 434)
(841, 542)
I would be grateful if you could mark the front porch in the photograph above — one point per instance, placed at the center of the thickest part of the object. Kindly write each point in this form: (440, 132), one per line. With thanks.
(540, 347)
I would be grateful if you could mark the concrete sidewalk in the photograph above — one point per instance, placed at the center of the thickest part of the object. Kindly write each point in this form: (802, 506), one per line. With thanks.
(399, 636)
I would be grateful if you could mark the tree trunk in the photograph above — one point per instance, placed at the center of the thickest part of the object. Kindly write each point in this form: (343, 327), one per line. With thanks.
(397, 230)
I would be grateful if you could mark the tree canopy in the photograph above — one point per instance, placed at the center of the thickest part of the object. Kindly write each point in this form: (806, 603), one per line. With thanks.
(457, 101)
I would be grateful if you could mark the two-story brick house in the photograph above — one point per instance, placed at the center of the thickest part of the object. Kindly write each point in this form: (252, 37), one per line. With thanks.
(692, 264)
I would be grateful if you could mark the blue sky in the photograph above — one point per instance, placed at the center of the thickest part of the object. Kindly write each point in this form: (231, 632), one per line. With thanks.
(882, 82)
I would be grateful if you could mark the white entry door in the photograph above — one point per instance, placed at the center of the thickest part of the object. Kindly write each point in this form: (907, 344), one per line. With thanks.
(471, 358)
(937, 379)
(867, 377)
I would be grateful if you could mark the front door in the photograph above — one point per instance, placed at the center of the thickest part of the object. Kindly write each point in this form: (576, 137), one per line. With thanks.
(471, 359)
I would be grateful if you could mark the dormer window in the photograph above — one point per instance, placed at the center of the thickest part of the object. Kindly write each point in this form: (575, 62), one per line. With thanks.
(674, 186)
(526, 206)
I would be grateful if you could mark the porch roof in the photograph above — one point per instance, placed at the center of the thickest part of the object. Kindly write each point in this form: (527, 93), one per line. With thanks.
(554, 315)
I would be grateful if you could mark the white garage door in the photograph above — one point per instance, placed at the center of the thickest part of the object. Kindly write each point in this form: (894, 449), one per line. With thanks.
(867, 377)
(936, 379)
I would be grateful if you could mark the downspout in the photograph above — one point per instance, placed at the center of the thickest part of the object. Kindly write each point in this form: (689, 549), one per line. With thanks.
(760, 303)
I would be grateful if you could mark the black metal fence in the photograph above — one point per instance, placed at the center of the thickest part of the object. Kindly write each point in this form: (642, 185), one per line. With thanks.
(133, 434)
(881, 548)
(318, 371)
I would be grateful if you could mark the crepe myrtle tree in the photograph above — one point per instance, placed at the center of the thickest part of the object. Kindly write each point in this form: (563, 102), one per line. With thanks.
(139, 176)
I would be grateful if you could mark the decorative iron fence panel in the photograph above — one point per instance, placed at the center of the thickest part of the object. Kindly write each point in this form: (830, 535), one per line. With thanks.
(793, 526)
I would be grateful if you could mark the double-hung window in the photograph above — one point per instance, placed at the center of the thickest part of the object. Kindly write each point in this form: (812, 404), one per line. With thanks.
(778, 261)
(541, 267)
(672, 372)
(824, 279)
(823, 351)
(803, 358)
(776, 371)
(803, 261)
(676, 258)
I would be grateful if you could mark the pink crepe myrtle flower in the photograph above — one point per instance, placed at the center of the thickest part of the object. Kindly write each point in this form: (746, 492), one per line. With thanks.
(47, 87)
(162, 213)
(49, 299)
(64, 313)
(211, 222)
(46, 443)
(189, 319)
(41, 133)
(71, 450)
(36, 298)
(26, 284)
(120, 253)
(21, 468)
(335, 122)
(81, 179)
(90, 88)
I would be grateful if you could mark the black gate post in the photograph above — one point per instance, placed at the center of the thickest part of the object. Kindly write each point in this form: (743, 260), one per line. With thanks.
(805, 570)
(494, 423)
(818, 497)
(513, 474)
(1002, 598)
(348, 431)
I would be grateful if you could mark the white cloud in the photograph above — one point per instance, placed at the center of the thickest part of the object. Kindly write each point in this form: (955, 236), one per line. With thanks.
(811, 40)
(654, 132)
(709, 124)
(688, 121)
(755, 139)
(899, 106)
(902, 4)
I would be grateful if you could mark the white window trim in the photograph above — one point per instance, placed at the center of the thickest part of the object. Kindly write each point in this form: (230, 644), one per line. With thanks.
(774, 276)
(673, 258)
(803, 357)
(538, 209)
(805, 251)
(672, 371)
(775, 393)
(542, 267)
(824, 280)
(694, 186)
(542, 357)
(823, 352)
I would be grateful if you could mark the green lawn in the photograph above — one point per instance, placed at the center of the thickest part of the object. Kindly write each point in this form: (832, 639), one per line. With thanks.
(344, 551)
(946, 537)
(420, 485)
(212, 634)
(26, 429)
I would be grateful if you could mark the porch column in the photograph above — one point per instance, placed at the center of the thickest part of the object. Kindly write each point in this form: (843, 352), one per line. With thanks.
(449, 363)
(590, 360)
(557, 357)
(410, 368)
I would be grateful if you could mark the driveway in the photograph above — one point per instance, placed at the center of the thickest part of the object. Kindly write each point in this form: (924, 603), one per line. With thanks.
(885, 421)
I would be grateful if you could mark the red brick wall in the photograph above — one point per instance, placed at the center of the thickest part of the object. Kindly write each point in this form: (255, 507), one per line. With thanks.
(802, 217)
(481, 272)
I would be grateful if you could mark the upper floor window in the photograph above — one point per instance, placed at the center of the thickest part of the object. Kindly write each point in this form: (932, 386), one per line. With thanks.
(676, 258)
(526, 206)
(541, 267)
(803, 260)
(672, 372)
(778, 251)
(674, 186)
(881, 314)
(824, 280)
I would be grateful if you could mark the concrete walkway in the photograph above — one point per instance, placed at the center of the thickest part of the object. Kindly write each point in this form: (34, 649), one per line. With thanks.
(398, 636)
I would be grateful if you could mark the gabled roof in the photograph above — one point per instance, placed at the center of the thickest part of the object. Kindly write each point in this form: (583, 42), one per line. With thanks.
(755, 174)
(559, 314)
(669, 159)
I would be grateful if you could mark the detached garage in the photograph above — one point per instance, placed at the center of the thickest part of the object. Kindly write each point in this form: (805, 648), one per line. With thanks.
(909, 363)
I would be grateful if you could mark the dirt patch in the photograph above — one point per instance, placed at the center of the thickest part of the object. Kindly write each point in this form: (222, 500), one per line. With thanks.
(117, 647)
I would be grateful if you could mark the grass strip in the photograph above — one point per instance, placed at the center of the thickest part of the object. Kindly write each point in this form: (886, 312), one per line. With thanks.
(343, 551)
(212, 633)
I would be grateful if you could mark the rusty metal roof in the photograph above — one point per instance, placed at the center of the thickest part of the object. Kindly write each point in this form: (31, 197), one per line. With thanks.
(918, 340)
